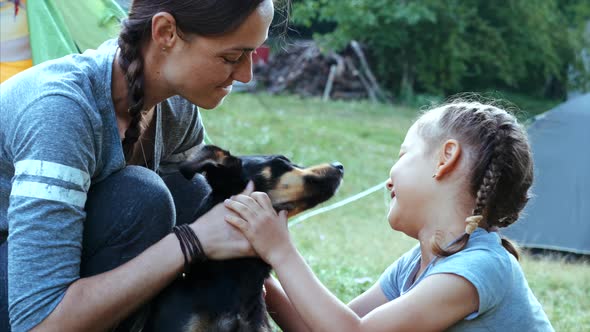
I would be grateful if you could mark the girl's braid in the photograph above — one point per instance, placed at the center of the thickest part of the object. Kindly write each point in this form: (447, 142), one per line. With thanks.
(499, 215)
(509, 219)
(485, 204)
(489, 127)
(502, 171)
(491, 176)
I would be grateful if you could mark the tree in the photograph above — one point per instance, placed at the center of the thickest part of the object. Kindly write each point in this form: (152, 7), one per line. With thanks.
(444, 47)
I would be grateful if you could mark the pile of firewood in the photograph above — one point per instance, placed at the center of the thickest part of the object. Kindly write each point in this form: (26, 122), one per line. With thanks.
(303, 70)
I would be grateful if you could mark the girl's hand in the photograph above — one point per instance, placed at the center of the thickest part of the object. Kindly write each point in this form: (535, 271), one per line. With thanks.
(263, 227)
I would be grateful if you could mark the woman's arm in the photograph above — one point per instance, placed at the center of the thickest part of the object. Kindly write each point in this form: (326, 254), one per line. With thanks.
(56, 134)
(99, 302)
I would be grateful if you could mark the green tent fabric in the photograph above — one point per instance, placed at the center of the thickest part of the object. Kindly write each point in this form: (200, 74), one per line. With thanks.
(61, 27)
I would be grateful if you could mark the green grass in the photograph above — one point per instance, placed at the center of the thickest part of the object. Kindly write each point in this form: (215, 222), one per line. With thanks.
(349, 247)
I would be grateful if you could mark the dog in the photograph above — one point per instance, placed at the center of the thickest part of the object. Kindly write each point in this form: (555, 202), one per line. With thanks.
(227, 296)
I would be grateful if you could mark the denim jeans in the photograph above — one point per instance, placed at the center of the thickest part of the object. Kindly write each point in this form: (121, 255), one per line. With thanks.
(126, 213)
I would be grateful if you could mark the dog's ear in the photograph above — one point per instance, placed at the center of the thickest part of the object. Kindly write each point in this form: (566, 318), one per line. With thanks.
(205, 158)
(189, 168)
(210, 159)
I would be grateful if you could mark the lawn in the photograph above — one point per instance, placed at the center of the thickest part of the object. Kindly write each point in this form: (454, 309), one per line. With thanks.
(349, 247)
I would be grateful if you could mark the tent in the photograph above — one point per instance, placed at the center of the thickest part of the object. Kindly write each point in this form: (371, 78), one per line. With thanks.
(38, 30)
(558, 215)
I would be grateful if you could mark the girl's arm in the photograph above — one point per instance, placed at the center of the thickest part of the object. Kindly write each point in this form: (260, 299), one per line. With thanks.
(435, 304)
(284, 314)
(369, 300)
(280, 308)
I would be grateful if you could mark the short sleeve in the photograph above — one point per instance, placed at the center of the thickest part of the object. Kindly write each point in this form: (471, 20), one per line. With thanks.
(183, 132)
(485, 269)
(52, 149)
(392, 279)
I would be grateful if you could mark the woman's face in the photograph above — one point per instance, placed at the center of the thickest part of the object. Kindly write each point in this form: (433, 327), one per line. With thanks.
(410, 183)
(202, 69)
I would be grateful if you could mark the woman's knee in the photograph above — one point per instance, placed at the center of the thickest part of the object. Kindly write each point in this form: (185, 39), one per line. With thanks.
(131, 209)
(137, 191)
(150, 198)
(187, 194)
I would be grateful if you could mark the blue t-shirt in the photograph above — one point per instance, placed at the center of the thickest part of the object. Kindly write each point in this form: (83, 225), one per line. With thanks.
(506, 303)
(59, 136)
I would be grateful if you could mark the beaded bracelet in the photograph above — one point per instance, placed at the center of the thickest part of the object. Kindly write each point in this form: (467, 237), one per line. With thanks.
(191, 247)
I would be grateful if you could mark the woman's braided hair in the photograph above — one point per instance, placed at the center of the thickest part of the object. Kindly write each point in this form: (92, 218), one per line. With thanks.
(502, 171)
(199, 17)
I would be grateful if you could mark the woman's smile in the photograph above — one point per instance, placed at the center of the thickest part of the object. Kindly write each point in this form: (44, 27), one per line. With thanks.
(226, 88)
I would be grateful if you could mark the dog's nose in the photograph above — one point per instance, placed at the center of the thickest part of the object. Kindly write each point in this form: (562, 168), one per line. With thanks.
(338, 166)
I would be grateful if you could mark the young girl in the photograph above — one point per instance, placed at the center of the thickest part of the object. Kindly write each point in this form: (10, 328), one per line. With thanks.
(464, 170)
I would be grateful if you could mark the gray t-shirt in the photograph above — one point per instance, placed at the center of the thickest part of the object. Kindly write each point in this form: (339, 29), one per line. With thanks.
(506, 303)
(58, 136)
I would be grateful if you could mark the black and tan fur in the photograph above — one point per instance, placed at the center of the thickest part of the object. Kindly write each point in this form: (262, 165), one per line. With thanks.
(226, 296)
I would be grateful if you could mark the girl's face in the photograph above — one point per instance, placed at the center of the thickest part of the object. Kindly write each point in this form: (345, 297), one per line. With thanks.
(202, 69)
(411, 184)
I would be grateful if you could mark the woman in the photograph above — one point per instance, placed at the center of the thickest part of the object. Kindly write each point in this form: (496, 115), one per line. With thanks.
(86, 239)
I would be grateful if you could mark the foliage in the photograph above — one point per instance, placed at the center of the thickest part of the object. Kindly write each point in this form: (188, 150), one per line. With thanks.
(444, 47)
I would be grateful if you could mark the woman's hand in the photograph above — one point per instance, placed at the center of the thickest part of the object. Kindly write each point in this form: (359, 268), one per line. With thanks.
(220, 240)
(259, 222)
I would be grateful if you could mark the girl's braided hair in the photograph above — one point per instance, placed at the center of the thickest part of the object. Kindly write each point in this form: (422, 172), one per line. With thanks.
(502, 170)
(200, 17)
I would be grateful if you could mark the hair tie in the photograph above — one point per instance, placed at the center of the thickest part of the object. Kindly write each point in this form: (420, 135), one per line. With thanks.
(472, 223)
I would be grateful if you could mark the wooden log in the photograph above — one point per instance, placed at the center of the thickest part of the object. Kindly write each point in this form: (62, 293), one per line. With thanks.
(329, 83)
(367, 70)
(304, 70)
(370, 92)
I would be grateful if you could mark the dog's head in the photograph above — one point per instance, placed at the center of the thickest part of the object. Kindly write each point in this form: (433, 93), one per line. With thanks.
(289, 186)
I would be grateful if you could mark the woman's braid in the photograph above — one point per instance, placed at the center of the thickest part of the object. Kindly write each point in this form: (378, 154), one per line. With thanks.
(131, 61)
